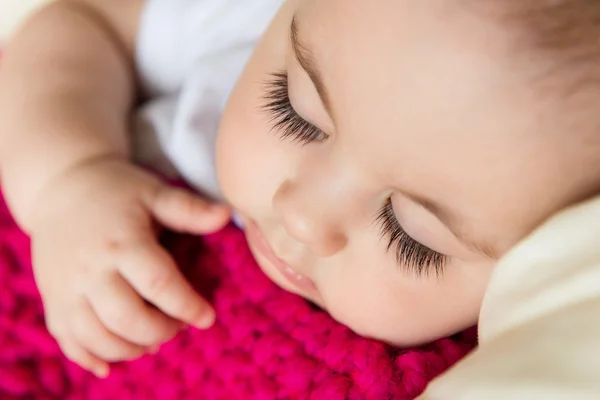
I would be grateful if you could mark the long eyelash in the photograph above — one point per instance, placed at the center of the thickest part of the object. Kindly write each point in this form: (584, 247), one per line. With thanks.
(414, 256)
(283, 117)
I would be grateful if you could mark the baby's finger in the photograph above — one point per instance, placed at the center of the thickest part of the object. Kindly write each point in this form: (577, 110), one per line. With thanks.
(122, 311)
(91, 334)
(83, 358)
(184, 211)
(153, 274)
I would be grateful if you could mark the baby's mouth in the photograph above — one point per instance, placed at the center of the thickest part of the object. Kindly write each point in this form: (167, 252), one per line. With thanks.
(260, 245)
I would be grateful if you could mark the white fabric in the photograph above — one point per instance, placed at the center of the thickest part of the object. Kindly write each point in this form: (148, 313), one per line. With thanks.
(14, 12)
(540, 323)
(189, 55)
(539, 327)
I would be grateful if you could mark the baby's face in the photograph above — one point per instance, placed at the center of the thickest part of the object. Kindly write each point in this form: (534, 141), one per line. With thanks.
(383, 154)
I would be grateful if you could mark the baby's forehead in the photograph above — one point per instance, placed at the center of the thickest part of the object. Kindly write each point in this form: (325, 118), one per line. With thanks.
(423, 74)
(465, 43)
(396, 26)
(379, 55)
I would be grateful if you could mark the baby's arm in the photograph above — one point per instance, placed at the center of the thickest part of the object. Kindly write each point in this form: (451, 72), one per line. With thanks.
(67, 87)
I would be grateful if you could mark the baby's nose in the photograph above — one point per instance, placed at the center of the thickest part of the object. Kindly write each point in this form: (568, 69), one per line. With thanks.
(309, 221)
(319, 235)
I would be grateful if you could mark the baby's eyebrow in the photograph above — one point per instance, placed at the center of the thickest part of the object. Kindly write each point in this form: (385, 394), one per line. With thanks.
(307, 61)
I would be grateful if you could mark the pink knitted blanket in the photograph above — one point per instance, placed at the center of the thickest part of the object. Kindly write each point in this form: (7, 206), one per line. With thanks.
(267, 344)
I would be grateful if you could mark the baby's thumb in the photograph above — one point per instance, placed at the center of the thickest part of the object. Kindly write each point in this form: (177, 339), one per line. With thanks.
(183, 211)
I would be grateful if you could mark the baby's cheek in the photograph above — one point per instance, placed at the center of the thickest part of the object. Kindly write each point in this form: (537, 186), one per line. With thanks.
(245, 172)
(232, 155)
(347, 299)
(384, 305)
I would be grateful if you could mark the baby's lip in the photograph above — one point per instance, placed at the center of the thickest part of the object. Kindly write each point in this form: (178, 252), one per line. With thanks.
(260, 244)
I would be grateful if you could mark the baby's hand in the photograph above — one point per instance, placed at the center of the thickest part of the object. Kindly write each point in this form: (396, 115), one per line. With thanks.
(110, 291)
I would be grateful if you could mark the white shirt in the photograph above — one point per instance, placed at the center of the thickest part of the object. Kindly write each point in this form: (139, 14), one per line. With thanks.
(539, 326)
(189, 56)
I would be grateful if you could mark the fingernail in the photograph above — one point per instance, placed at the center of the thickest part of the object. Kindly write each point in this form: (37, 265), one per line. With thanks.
(206, 321)
(101, 372)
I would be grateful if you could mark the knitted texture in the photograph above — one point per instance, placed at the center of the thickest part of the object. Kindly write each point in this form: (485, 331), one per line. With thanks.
(267, 344)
